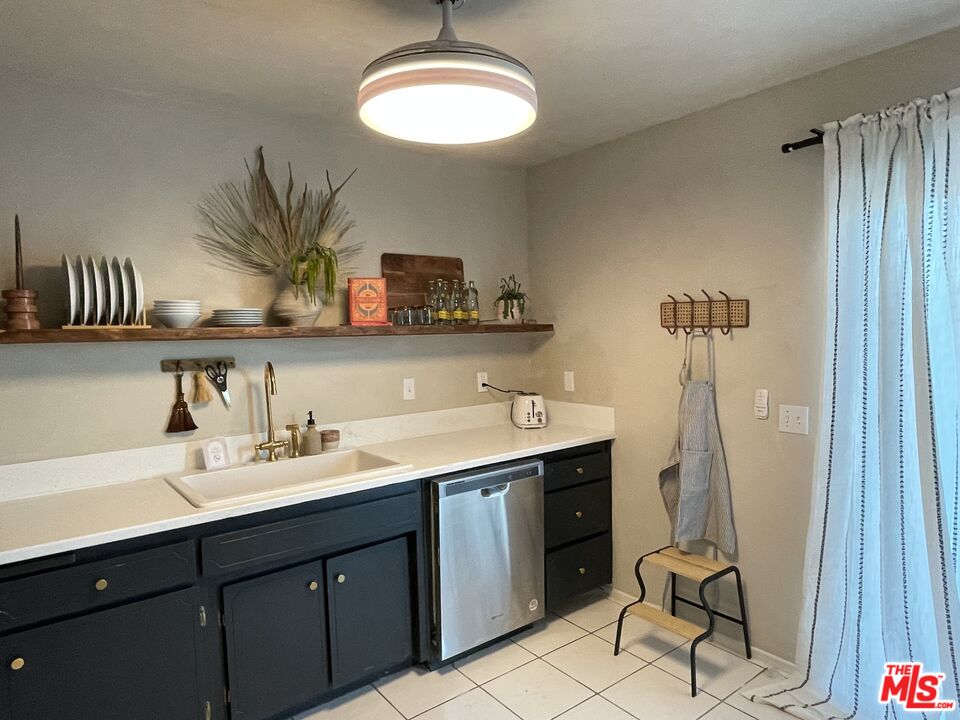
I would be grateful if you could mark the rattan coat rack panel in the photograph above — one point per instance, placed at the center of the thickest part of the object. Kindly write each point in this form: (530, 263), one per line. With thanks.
(691, 314)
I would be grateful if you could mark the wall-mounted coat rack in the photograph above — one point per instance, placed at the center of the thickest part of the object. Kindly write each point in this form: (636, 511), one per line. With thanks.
(690, 314)
(195, 364)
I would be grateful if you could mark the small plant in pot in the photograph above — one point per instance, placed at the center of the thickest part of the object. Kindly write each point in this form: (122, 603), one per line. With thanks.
(297, 240)
(511, 302)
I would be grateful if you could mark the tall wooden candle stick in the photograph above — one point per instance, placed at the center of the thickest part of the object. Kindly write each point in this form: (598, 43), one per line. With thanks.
(16, 230)
(21, 306)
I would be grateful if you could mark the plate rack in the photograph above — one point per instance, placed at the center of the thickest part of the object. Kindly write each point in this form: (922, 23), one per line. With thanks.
(689, 314)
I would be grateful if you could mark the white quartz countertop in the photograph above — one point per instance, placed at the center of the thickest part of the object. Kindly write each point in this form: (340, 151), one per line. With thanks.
(33, 527)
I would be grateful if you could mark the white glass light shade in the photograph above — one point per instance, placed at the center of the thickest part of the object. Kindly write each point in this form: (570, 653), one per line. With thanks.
(448, 97)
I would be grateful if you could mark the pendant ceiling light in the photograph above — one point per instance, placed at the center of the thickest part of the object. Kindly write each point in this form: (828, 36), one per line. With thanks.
(447, 91)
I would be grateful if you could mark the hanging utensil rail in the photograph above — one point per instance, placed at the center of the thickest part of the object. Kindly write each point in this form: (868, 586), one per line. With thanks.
(690, 314)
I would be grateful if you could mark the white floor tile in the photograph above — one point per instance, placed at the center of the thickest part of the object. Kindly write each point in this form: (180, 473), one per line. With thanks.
(718, 671)
(537, 691)
(494, 661)
(415, 690)
(363, 704)
(642, 638)
(652, 694)
(590, 661)
(596, 708)
(591, 612)
(758, 710)
(547, 635)
(725, 712)
(474, 705)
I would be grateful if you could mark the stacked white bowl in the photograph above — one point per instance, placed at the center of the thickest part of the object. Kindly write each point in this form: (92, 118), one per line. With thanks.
(177, 313)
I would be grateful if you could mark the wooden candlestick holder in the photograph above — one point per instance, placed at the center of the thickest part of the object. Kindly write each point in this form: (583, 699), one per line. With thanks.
(21, 309)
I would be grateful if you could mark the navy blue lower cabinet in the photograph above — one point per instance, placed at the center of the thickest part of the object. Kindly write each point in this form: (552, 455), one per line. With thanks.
(276, 641)
(134, 662)
(369, 594)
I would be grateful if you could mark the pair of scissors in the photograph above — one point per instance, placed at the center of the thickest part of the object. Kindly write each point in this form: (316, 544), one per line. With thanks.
(217, 374)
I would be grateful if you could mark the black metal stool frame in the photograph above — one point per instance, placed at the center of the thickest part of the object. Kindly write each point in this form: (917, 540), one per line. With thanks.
(703, 605)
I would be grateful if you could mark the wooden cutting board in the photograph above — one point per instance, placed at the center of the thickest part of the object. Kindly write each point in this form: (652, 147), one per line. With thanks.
(408, 275)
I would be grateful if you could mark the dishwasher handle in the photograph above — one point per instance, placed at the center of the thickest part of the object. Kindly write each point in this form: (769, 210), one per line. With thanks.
(495, 490)
(493, 482)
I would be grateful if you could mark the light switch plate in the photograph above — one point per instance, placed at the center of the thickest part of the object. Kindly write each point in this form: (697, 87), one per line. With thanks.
(568, 383)
(409, 389)
(794, 419)
(481, 381)
(761, 404)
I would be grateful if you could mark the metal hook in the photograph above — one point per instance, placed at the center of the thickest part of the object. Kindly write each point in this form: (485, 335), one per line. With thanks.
(692, 303)
(709, 327)
(728, 328)
(674, 330)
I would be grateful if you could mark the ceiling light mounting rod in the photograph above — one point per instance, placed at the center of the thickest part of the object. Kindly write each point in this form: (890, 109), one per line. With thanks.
(447, 32)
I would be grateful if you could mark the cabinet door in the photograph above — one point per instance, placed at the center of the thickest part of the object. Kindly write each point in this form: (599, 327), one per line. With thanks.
(276, 641)
(134, 662)
(371, 626)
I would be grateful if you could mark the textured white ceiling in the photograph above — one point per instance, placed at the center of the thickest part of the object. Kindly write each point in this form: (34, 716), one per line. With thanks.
(604, 69)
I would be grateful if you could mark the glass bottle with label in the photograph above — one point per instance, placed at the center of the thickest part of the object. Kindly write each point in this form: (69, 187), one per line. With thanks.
(472, 304)
(456, 303)
(429, 313)
(442, 303)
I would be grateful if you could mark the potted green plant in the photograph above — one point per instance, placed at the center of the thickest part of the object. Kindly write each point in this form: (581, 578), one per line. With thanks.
(248, 229)
(511, 302)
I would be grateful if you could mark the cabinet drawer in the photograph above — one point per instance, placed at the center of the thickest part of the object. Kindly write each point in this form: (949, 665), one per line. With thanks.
(578, 568)
(565, 473)
(576, 512)
(84, 587)
(290, 539)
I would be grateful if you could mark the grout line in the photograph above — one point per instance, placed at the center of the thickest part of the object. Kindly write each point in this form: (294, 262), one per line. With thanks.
(432, 707)
(579, 704)
(729, 695)
(507, 672)
(387, 700)
(490, 695)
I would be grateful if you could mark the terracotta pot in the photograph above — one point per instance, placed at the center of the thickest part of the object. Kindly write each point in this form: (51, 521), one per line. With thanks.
(293, 307)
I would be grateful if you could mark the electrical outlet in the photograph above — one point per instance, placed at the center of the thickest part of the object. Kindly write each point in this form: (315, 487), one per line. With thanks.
(568, 383)
(481, 381)
(409, 389)
(794, 419)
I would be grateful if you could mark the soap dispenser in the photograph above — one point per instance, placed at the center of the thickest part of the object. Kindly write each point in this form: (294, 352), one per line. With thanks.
(311, 444)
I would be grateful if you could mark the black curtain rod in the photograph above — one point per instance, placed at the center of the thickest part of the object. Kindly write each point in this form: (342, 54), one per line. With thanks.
(817, 139)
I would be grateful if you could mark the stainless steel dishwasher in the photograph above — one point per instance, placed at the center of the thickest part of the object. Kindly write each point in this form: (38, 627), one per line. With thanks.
(487, 555)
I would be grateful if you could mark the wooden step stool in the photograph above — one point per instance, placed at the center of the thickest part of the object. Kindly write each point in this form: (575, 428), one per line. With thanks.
(700, 569)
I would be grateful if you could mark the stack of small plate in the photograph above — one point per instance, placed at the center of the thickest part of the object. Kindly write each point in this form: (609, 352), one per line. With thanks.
(104, 293)
(177, 313)
(237, 317)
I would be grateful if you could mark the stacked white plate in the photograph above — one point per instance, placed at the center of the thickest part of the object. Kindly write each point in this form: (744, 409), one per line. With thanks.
(104, 293)
(237, 317)
(177, 313)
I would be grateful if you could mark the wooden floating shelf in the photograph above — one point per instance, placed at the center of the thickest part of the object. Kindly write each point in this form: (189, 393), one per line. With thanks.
(144, 334)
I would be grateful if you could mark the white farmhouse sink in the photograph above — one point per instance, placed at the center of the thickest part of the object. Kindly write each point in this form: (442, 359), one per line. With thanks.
(274, 479)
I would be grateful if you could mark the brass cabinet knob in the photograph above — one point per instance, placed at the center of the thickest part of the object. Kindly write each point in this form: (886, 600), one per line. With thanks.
(579, 514)
(579, 471)
(17, 664)
(341, 579)
(101, 584)
(582, 571)
(313, 585)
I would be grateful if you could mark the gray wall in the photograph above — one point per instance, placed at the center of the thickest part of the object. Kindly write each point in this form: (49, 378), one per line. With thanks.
(708, 201)
(102, 173)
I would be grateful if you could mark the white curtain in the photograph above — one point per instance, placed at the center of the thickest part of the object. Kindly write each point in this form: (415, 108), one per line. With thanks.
(880, 583)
